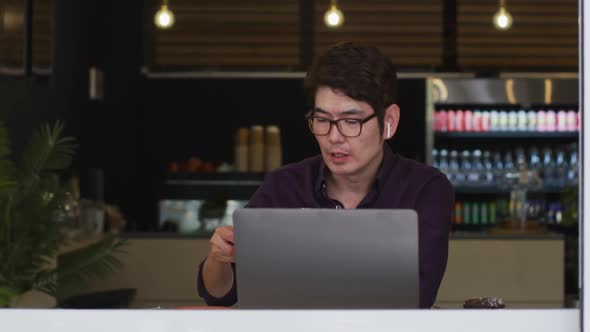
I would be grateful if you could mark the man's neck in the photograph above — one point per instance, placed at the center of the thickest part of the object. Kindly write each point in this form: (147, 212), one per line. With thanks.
(353, 188)
(357, 184)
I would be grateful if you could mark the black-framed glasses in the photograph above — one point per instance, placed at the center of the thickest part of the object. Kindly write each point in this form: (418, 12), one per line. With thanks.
(348, 127)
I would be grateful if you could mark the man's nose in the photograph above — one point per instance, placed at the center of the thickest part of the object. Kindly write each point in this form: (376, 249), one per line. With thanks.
(335, 136)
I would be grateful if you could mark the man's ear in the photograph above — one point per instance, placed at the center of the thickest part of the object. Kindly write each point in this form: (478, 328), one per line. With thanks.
(390, 121)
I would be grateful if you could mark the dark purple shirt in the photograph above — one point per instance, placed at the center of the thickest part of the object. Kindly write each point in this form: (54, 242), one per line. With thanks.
(400, 184)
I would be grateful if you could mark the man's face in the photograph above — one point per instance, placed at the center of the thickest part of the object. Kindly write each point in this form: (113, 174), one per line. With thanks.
(348, 156)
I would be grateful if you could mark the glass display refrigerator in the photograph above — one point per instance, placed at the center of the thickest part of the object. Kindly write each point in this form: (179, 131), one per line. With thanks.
(510, 148)
(496, 139)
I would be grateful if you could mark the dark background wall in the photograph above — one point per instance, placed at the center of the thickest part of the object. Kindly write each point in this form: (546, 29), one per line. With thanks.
(198, 117)
(23, 105)
(107, 35)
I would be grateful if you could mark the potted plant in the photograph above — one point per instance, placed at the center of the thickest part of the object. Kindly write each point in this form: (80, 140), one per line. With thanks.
(30, 234)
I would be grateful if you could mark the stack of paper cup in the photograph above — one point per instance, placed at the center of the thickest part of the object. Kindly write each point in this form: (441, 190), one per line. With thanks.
(241, 150)
(256, 149)
(273, 153)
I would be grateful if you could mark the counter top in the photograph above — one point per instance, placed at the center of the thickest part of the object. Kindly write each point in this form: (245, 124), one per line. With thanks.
(453, 236)
(505, 236)
(505, 320)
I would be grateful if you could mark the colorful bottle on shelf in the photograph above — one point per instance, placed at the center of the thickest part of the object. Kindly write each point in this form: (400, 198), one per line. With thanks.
(531, 121)
(484, 213)
(541, 121)
(512, 121)
(475, 213)
(458, 213)
(485, 121)
(494, 120)
(551, 120)
(467, 121)
(477, 119)
(466, 213)
(492, 212)
(522, 120)
(561, 120)
(571, 121)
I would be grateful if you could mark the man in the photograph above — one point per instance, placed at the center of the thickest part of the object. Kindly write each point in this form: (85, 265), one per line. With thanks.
(353, 90)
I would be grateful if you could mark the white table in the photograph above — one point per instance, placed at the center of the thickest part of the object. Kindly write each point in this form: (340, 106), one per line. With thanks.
(154, 320)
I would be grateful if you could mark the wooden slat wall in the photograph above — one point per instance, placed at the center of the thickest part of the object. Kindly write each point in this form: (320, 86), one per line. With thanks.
(544, 34)
(266, 33)
(42, 32)
(12, 32)
(230, 32)
(407, 30)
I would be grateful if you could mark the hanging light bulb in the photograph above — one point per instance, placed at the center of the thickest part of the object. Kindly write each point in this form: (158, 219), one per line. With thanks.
(11, 19)
(164, 18)
(502, 19)
(333, 17)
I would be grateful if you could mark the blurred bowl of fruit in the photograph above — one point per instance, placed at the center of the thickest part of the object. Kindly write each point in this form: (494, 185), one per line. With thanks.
(192, 165)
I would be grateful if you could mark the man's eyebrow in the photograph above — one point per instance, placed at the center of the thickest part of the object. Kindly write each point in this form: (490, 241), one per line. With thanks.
(347, 112)
(351, 112)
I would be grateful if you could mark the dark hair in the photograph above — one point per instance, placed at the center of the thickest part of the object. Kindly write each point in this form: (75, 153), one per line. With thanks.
(359, 71)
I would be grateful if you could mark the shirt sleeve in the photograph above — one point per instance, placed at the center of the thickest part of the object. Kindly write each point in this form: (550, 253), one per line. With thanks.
(227, 300)
(260, 199)
(434, 205)
(263, 197)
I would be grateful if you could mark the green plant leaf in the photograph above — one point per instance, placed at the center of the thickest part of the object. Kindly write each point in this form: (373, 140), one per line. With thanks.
(8, 182)
(6, 295)
(30, 237)
(98, 260)
(47, 151)
(46, 281)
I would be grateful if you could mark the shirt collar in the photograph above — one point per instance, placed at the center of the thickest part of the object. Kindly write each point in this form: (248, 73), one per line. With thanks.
(387, 164)
(320, 183)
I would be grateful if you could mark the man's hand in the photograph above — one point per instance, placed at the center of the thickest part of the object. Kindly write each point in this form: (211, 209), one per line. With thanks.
(222, 245)
(218, 275)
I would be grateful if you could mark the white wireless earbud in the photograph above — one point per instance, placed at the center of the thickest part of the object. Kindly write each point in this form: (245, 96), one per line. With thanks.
(388, 130)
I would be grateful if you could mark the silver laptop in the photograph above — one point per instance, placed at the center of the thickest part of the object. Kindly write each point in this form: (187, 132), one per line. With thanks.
(326, 258)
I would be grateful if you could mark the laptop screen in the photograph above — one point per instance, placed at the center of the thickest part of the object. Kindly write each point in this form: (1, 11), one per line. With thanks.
(326, 258)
